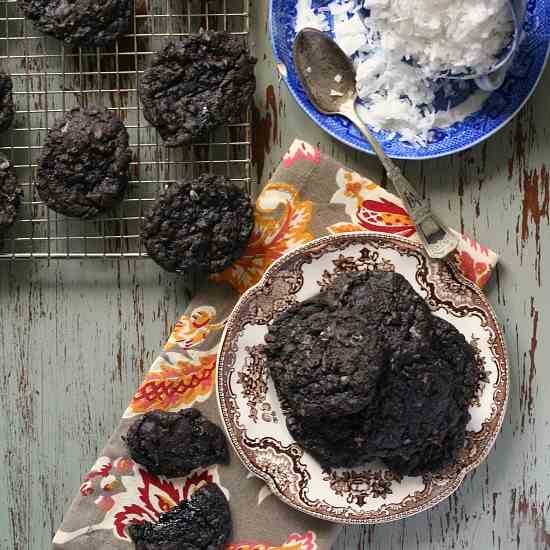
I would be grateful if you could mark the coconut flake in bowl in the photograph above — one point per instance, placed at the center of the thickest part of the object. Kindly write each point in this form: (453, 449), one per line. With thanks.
(401, 48)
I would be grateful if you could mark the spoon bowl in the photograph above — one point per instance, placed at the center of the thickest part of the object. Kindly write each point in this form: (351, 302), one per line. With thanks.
(323, 69)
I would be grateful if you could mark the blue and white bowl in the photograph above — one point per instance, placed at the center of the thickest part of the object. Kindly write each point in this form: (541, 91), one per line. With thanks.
(497, 110)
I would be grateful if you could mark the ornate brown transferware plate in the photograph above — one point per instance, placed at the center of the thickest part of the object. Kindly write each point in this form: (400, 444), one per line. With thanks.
(252, 412)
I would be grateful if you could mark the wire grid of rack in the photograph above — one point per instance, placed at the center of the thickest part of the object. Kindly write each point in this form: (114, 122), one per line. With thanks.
(50, 78)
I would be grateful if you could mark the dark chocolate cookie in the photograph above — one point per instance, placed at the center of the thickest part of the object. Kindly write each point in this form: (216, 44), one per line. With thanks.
(339, 442)
(388, 303)
(432, 418)
(371, 332)
(95, 23)
(7, 106)
(423, 410)
(417, 420)
(326, 354)
(325, 360)
(197, 84)
(451, 345)
(83, 169)
(201, 523)
(201, 225)
(10, 195)
(174, 444)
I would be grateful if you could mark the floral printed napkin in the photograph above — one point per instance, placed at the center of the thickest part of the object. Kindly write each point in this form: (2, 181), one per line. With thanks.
(310, 195)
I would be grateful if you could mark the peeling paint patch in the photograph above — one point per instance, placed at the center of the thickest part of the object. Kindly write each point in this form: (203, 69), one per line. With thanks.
(494, 510)
(527, 510)
(529, 371)
(265, 130)
(532, 352)
(535, 208)
(518, 148)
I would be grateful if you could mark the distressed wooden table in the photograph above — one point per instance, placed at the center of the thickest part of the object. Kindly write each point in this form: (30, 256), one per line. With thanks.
(77, 336)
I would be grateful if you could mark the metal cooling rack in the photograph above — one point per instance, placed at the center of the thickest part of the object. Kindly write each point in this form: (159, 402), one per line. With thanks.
(50, 78)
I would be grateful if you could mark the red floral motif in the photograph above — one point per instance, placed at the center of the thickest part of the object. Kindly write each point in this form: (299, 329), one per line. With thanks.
(105, 503)
(123, 465)
(293, 542)
(385, 216)
(301, 151)
(477, 272)
(474, 245)
(155, 496)
(103, 480)
(87, 489)
(101, 468)
(369, 207)
(307, 541)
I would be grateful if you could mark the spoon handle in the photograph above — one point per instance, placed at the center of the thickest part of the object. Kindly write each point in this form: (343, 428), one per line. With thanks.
(435, 236)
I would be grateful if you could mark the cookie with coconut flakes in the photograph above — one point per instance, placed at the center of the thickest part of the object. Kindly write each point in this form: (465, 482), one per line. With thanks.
(199, 225)
(83, 169)
(196, 84)
(10, 195)
(82, 22)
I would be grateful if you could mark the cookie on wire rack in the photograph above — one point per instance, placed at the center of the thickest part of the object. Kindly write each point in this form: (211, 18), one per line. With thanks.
(197, 84)
(199, 225)
(10, 195)
(7, 106)
(94, 23)
(83, 169)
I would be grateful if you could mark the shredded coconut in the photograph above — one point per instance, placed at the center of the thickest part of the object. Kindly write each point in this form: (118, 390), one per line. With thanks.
(400, 49)
(443, 35)
(307, 17)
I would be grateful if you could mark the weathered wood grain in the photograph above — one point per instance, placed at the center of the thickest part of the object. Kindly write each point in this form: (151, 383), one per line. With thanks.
(77, 336)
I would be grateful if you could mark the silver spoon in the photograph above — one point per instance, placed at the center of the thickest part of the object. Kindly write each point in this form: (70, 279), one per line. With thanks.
(328, 77)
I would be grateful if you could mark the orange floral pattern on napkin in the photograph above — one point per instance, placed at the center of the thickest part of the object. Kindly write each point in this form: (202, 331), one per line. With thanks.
(173, 385)
(282, 222)
(294, 542)
(192, 330)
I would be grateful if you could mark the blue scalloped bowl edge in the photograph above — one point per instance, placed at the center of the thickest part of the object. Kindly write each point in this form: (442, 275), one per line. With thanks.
(499, 109)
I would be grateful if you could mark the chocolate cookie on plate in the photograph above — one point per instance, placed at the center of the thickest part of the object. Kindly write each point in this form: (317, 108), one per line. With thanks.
(83, 169)
(200, 225)
(197, 84)
(426, 403)
(7, 106)
(338, 442)
(96, 23)
(423, 410)
(174, 444)
(389, 306)
(325, 360)
(201, 523)
(10, 195)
